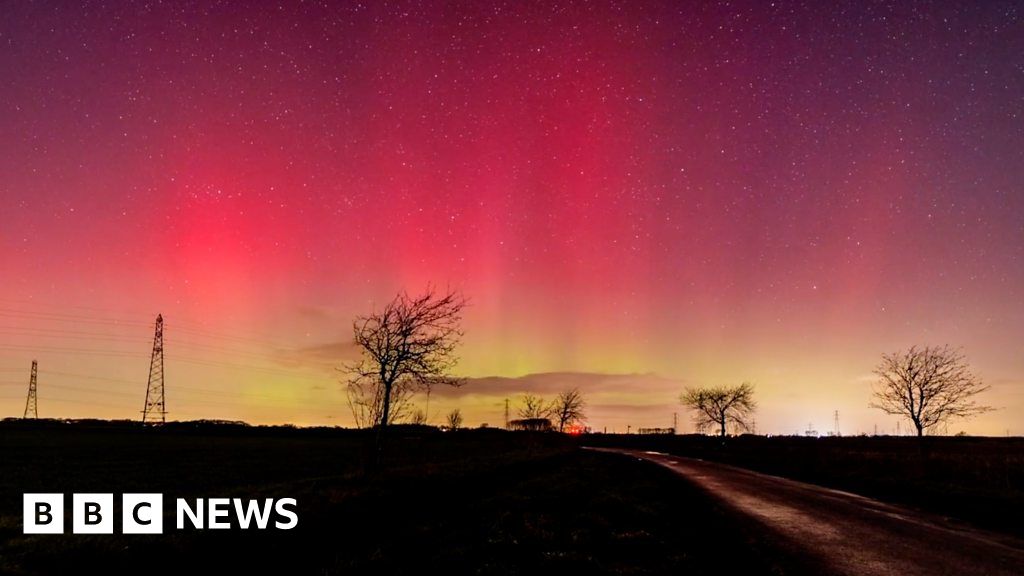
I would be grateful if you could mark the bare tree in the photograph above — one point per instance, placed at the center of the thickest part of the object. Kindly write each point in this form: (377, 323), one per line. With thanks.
(418, 417)
(406, 347)
(928, 385)
(568, 408)
(455, 419)
(534, 407)
(366, 400)
(718, 406)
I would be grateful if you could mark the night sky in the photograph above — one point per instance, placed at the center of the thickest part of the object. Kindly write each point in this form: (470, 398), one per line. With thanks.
(636, 197)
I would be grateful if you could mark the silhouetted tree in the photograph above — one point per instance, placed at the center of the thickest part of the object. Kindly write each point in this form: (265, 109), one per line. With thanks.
(455, 419)
(366, 400)
(408, 346)
(717, 406)
(534, 407)
(418, 417)
(567, 408)
(928, 385)
(531, 424)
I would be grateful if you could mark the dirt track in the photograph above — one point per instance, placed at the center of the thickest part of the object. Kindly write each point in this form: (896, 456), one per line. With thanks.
(849, 534)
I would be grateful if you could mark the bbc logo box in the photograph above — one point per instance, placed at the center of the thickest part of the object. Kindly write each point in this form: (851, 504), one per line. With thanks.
(43, 513)
(92, 513)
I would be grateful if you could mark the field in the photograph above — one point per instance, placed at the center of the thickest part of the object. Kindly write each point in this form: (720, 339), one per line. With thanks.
(473, 502)
(976, 480)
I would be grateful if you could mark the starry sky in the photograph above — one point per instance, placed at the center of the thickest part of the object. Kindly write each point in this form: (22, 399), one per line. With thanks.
(635, 196)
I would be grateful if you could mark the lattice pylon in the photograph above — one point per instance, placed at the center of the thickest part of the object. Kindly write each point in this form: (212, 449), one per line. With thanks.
(155, 410)
(32, 402)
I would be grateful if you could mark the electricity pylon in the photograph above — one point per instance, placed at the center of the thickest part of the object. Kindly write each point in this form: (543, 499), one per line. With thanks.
(31, 405)
(155, 410)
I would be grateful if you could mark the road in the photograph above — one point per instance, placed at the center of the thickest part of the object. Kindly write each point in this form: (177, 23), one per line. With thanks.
(846, 533)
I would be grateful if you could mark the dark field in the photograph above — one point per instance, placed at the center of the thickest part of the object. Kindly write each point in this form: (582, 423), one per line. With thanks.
(474, 502)
(976, 480)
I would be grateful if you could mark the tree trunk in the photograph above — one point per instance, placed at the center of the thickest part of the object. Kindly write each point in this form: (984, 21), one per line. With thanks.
(387, 405)
(722, 423)
(920, 430)
(378, 442)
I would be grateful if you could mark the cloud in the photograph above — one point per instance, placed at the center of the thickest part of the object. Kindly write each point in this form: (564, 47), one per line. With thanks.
(328, 356)
(632, 386)
(315, 313)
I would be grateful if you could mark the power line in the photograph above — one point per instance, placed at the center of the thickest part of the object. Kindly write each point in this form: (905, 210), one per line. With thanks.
(108, 318)
(186, 359)
(226, 399)
(64, 335)
(280, 349)
(305, 408)
(223, 336)
(114, 330)
(94, 336)
(67, 318)
(59, 400)
(132, 382)
(74, 351)
(260, 369)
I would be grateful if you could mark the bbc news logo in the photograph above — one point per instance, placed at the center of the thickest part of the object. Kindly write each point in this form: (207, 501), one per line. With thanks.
(144, 513)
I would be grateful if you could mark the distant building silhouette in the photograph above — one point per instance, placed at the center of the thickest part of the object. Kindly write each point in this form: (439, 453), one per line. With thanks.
(655, 430)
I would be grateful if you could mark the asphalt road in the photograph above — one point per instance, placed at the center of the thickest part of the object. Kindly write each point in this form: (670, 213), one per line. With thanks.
(846, 533)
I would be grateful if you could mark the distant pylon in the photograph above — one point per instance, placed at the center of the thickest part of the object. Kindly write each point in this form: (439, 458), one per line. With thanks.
(155, 410)
(31, 405)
